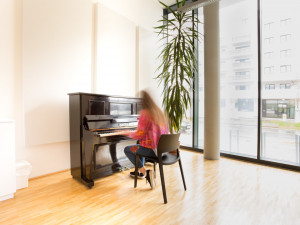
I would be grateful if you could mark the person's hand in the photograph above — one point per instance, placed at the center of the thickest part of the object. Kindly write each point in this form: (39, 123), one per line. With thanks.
(124, 133)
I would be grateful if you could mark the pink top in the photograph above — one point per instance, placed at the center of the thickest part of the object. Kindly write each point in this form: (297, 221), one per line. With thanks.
(148, 132)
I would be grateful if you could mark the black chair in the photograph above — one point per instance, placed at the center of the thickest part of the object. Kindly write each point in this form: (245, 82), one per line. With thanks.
(166, 144)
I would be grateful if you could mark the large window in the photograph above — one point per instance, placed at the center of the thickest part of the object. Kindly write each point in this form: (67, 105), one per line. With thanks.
(280, 109)
(238, 41)
(259, 82)
(200, 97)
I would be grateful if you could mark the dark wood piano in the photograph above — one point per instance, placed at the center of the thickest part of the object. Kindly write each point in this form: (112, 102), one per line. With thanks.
(96, 148)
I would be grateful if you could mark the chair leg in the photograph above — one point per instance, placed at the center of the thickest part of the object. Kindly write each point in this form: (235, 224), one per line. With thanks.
(136, 170)
(182, 174)
(162, 181)
(154, 168)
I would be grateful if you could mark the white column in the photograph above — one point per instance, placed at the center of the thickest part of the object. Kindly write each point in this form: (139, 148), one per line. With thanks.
(211, 82)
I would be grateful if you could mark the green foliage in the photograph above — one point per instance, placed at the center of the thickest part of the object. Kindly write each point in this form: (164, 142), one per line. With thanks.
(283, 124)
(297, 125)
(178, 62)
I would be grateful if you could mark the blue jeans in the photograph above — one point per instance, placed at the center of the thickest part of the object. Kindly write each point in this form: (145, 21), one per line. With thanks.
(131, 150)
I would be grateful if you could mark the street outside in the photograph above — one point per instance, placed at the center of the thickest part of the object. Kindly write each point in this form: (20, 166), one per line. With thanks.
(277, 144)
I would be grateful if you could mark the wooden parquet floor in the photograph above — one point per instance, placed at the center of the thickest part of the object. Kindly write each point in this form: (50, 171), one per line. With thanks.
(223, 191)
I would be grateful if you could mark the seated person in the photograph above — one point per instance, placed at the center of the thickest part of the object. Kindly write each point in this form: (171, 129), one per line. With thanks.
(152, 124)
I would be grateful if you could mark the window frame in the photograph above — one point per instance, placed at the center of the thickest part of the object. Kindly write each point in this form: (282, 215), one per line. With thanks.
(256, 159)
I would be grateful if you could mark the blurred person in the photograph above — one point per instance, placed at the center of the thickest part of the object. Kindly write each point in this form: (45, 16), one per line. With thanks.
(151, 125)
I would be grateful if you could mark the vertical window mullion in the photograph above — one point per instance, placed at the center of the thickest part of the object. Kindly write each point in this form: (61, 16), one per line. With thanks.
(259, 80)
(195, 92)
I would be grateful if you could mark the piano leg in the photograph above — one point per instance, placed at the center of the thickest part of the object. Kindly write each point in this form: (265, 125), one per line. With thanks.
(86, 182)
(87, 164)
(113, 152)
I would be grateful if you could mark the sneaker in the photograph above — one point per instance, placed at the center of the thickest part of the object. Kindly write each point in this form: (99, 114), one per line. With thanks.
(139, 175)
(150, 178)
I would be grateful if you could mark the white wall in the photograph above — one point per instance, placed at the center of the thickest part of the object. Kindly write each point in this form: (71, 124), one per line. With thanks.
(116, 53)
(148, 63)
(7, 51)
(45, 54)
(145, 15)
(56, 60)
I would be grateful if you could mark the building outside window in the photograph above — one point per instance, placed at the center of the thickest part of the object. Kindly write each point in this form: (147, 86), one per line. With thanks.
(245, 105)
(241, 87)
(268, 26)
(268, 55)
(285, 22)
(285, 68)
(280, 109)
(285, 53)
(285, 37)
(279, 75)
(244, 47)
(270, 86)
(285, 86)
(269, 40)
(242, 75)
(238, 118)
(242, 60)
(269, 69)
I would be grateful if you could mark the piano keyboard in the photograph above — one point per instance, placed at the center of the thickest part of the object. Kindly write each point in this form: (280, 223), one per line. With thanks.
(115, 132)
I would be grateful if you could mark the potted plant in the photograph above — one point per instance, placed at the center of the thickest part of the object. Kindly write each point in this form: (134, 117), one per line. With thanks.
(178, 62)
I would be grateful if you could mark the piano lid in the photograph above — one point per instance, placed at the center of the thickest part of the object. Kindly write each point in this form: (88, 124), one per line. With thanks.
(119, 118)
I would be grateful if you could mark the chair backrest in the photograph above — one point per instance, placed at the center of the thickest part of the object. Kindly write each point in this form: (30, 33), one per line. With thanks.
(167, 142)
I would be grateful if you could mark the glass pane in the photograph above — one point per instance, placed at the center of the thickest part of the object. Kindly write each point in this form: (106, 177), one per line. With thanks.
(280, 80)
(238, 77)
(201, 83)
(186, 136)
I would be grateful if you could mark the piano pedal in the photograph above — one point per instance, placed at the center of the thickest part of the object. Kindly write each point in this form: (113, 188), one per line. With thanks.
(117, 167)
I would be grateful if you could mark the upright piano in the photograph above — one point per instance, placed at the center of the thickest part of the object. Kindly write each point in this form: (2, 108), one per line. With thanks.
(96, 147)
